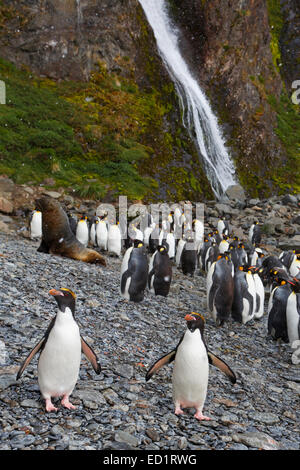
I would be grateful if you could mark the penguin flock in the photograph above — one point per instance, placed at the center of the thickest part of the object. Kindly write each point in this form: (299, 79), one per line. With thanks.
(239, 274)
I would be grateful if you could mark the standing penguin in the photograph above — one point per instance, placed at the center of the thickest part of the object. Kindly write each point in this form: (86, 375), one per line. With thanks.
(220, 289)
(203, 250)
(179, 249)
(35, 225)
(114, 240)
(277, 323)
(82, 231)
(259, 290)
(255, 234)
(92, 229)
(294, 268)
(293, 312)
(72, 223)
(223, 227)
(160, 272)
(101, 235)
(189, 258)
(190, 372)
(60, 353)
(244, 300)
(134, 272)
(224, 244)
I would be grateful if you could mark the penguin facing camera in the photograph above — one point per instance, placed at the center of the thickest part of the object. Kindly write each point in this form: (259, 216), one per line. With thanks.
(60, 353)
(82, 231)
(191, 368)
(35, 224)
(114, 240)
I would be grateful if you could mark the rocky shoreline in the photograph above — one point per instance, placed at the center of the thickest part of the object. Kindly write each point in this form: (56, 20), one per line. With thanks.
(118, 410)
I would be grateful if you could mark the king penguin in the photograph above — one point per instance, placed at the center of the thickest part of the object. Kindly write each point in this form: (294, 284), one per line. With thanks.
(255, 234)
(60, 353)
(277, 322)
(293, 312)
(82, 231)
(160, 272)
(35, 224)
(191, 368)
(114, 240)
(220, 289)
(102, 234)
(244, 299)
(134, 272)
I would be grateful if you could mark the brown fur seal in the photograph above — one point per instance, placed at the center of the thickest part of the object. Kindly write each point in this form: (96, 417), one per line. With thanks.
(58, 237)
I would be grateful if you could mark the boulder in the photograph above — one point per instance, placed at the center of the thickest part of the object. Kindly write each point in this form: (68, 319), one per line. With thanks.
(290, 243)
(236, 192)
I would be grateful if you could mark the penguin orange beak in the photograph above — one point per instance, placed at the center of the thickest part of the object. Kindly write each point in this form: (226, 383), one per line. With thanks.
(189, 317)
(55, 292)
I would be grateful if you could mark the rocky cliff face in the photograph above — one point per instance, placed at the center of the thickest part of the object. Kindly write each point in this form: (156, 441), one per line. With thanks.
(66, 39)
(232, 48)
(228, 45)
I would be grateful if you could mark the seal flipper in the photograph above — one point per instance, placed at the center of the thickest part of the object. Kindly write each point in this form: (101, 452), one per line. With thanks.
(167, 359)
(91, 356)
(30, 356)
(217, 362)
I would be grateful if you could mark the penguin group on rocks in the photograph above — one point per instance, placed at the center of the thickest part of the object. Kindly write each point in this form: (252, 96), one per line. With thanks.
(238, 274)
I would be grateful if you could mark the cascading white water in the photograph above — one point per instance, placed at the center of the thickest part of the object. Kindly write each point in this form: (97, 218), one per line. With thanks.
(198, 116)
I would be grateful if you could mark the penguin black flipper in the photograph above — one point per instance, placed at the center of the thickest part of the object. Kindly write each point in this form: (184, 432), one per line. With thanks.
(32, 353)
(39, 346)
(220, 364)
(124, 278)
(166, 359)
(91, 356)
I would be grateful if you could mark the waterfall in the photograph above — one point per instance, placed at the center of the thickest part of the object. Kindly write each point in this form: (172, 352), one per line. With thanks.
(198, 117)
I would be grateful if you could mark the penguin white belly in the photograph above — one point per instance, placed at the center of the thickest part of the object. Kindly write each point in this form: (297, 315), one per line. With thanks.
(190, 373)
(292, 318)
(209, 282)
(147, 233)
(101, 234)
(59, 362)
(180, 246)
(36, 225)
(114, 240)
(260, 293)
(82, 233)
(124, 267)
(171, 243)
(295, 267)
(93, 235)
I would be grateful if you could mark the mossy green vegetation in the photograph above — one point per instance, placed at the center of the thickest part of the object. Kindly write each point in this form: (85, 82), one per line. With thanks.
(276, 22)
(288, 131)
(104, 136)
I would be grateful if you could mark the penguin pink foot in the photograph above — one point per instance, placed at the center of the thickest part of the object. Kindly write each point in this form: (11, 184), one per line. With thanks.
(65, 402)
(49, 405)
(198, 415)
(178, 410)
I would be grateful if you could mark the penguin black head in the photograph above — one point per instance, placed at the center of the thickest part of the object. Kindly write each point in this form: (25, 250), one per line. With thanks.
(162, 249)
(64, 298)
(195, 320)
(138, 243)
